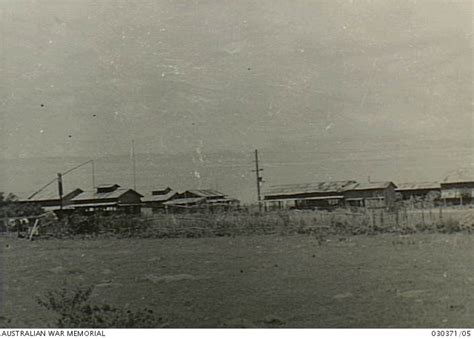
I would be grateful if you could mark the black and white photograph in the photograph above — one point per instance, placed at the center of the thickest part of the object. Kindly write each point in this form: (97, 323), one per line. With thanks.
(236, 164)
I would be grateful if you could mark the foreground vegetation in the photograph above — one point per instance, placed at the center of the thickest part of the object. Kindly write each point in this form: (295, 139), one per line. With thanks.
(386, 280)
(321, 224)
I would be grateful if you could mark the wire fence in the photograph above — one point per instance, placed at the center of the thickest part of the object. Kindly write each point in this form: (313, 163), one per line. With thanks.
(282, 222)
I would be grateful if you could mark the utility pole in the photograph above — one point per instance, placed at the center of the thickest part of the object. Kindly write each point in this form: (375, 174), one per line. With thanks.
(60, 190)
(93, 174)
(133, 163)
(59, 180)
(257, 171)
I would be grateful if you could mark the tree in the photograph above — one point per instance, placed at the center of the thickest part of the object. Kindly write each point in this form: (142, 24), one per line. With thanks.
(433, 197)
(11, 207)
(8, 199)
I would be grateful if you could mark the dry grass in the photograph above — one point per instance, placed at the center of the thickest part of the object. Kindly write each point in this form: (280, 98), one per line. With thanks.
(341, 222)
(420, 280)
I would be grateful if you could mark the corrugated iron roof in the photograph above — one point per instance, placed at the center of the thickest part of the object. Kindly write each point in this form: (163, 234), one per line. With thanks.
(161, 191)
(52, 194)
(57, 207)
(422, 185)
(206, 193)
(462, 175)
(93, 195)
(107, 186)
(326, 197)
(159, 197)
(184, 201)
(318, 187)
(222, 200)
(371, 185)
(96, 204)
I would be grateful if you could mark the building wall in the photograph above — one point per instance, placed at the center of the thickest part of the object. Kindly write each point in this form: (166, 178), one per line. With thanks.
(93, 201)
(188, 194)
(374, 198)
(455, 195)
(390, 196)
(460, 185)
(130, 198)
(155, 206)
(301, 201)
(365, 193)
(324, 204)
(301, 196)
(273, 205)
(417, 193)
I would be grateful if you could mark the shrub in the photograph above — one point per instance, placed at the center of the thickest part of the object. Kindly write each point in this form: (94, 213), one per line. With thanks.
(225, 224)
(423, 227)
(449, 226)
(81, 225)
(74, 310)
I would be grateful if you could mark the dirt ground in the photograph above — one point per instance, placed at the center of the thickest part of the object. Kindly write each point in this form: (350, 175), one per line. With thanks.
(258, 281)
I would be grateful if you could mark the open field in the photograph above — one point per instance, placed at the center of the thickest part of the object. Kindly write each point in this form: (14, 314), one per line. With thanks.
(290, 281)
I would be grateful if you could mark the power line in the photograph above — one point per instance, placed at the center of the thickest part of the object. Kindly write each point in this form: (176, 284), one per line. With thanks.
(43, 187)
(58, 179)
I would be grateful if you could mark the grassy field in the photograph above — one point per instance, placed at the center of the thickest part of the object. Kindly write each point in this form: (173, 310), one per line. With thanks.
(264, 281)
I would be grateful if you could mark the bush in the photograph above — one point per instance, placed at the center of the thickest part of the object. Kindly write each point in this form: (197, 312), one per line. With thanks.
(75, 311)
(449, 226)
(231, 224)
(16, 209)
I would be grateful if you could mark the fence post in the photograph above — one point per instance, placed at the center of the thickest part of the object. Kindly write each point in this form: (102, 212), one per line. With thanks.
(422, 214)
(5, 221)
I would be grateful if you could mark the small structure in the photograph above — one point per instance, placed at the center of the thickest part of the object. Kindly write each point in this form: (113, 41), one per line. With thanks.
(320, 195)
(458, 189)
(419, 190)
(156, 200)
(23, 227)
(201, 193)
(201, 199)
(371, 195)
(185, 204)
(108, 198)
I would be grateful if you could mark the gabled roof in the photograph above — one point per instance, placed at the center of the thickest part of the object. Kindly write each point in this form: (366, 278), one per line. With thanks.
(52, 194)
(222, 200)
(44, 195)
(206, 193)
(111, 186)
(460, 176)
(94, 204)
(161, 191)
(159, 197)
(318, 187)
(94, 195)
(371, 186)
(422, 185)
(184, 201)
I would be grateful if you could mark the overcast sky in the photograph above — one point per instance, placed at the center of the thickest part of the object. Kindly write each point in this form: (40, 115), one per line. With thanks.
(85, 77)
